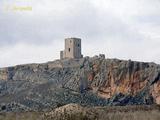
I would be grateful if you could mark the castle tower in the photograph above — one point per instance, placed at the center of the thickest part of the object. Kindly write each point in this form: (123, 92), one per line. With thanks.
(72, 49)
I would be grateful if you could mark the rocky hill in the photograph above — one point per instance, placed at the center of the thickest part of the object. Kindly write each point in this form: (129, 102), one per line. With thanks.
(88, 81)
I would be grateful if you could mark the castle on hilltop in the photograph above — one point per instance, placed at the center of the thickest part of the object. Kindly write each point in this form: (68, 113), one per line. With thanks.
(72, 49)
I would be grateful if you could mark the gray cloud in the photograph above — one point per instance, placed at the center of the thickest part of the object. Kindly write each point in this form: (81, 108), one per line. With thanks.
(85, 20)
(120, 29)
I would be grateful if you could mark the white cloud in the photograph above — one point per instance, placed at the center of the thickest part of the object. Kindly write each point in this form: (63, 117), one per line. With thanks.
(126, 29)
(22, 53)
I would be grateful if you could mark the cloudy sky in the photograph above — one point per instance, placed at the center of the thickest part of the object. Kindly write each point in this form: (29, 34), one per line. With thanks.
(124, 29)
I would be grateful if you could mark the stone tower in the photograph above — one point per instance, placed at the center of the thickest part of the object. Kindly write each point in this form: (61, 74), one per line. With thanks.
(72, 49)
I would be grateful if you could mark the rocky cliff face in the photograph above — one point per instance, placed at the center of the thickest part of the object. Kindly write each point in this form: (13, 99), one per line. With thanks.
(88, 81)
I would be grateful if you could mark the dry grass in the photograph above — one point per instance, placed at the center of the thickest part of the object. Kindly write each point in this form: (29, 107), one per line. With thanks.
(21, 116)
(137, 115)
(140, 112)
(95, 113)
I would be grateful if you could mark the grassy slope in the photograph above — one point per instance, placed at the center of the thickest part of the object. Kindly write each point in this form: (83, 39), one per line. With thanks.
(100, 113)
(21, 116)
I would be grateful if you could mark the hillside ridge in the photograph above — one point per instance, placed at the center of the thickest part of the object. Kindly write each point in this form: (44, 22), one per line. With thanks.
(91, 81)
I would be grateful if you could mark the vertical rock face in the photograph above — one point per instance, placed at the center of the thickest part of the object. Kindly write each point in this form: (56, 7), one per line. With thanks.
(130, 78)
(117, 82)
(155, 91)
(137, 81)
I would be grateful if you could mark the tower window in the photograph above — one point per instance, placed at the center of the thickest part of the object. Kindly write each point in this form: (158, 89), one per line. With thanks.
(78, 45)
(69, 49)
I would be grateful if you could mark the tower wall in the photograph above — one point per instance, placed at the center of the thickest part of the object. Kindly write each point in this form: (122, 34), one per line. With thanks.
(69, 48)
(61, 54)
(77, 48)
(72, 48)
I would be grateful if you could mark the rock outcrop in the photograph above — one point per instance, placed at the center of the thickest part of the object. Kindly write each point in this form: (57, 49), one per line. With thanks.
(71, 111)
(87, 81)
